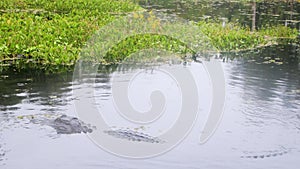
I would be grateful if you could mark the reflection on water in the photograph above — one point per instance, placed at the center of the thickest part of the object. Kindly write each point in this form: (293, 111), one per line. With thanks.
(261, 119)
(268, 101)
(267, 12)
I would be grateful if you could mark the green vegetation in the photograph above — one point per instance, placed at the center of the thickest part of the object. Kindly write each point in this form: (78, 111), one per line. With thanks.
(233, 37)
(139, 42)
(51, 33)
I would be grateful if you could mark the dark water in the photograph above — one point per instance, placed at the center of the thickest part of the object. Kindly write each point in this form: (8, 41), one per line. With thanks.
(267, 13)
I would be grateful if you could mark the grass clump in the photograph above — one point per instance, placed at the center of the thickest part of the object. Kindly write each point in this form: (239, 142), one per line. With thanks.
(136, 43)
(233, 37)
(230, 37)
(53, 31)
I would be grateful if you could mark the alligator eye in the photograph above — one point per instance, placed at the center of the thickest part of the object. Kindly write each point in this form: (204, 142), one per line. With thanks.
(61, 130)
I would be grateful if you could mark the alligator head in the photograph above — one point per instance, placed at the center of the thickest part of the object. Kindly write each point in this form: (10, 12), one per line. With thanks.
(69, 125)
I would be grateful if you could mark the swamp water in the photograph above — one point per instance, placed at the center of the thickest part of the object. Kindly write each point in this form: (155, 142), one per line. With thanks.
(260, 127)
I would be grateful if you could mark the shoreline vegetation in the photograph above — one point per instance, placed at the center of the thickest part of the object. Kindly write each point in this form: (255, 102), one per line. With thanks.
(51, 33)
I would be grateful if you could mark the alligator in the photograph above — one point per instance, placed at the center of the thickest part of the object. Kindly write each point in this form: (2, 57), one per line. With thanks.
(266, 155)
(133, 136)
(62, 124)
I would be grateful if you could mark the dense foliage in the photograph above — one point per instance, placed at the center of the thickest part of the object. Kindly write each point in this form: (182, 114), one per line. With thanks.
(53, 32)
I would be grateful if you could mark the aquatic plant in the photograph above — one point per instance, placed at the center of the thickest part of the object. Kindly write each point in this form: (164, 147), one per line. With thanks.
(49, 35)
(52, 33)
(233, 37)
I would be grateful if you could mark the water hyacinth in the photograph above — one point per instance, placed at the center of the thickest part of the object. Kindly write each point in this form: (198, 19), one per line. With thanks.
(49, 35)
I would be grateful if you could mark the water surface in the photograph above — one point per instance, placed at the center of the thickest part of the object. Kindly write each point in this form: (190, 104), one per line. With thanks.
(260, 127)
